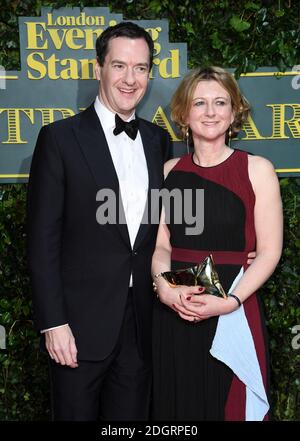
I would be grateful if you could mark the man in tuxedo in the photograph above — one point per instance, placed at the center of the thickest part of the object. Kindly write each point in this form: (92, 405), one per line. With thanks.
(91, 281)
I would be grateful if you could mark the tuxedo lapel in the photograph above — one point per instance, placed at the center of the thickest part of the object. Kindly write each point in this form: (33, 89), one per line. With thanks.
(93, 144)
(151, 144)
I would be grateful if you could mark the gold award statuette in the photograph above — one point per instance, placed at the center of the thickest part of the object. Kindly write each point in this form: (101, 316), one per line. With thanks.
(203, 274)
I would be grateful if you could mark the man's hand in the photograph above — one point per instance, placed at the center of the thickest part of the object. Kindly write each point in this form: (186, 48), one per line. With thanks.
(251, 257)
(60, 344)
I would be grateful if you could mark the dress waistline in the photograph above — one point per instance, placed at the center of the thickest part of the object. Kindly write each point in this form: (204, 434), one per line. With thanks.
(219, 257)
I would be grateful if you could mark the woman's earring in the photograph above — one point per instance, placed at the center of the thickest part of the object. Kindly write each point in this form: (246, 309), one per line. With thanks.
(229, 135)
(187, 137)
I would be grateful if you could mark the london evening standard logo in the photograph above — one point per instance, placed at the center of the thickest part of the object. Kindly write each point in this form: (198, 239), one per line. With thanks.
(53, 44)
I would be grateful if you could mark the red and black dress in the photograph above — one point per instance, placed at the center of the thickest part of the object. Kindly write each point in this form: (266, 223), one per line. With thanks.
(188, 382)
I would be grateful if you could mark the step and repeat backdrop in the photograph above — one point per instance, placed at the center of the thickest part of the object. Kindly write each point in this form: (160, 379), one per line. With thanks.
(57, 80)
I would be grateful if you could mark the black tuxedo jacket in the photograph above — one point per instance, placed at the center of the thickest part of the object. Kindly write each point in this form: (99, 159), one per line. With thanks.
(79, 269)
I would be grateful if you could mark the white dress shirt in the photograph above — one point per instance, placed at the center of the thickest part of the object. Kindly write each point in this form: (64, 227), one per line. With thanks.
(130, 164)
(131, 167)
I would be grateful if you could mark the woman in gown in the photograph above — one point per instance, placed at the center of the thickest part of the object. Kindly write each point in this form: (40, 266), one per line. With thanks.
(242, 212)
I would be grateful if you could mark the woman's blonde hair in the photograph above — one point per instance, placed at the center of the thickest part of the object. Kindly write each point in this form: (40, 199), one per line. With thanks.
(182, 99)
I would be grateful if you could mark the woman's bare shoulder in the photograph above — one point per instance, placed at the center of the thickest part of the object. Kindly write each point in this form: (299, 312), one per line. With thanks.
(261, 171)
(260, 164)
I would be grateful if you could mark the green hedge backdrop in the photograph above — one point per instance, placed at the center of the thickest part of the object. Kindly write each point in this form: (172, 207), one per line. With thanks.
(243, 35)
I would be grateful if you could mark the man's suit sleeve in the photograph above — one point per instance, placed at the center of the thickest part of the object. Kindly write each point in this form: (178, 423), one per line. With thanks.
(45, 204)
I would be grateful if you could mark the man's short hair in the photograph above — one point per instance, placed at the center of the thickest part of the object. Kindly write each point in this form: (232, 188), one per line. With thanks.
(124, 29)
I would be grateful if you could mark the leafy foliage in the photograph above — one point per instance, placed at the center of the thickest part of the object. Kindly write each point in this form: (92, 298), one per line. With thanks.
(244, 35)
(23, 375)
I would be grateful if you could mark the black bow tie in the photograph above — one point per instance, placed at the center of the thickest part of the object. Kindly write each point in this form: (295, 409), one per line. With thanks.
(130, 128)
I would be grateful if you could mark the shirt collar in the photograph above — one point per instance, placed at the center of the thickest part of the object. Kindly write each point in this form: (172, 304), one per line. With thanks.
(107, 118)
